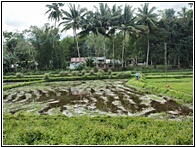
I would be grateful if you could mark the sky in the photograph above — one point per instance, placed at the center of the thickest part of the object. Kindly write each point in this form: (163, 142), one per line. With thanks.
(21, 15)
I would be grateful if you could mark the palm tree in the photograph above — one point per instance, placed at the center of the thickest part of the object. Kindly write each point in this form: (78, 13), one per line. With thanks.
(128, 25)
(183, 12)
(93, 25)
(55, 13)
(104, 16)
(114, 21)
(73, 19)
(148, 18)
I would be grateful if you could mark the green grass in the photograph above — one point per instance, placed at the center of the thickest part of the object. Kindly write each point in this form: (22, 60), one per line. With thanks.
(6, 87)
(61, 130)
(181, 86)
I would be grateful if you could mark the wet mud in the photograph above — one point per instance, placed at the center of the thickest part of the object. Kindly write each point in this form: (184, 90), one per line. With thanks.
(108, 97)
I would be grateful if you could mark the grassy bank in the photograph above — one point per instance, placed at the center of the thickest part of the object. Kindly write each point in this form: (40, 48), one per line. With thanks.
(180, 85)
(61, 130)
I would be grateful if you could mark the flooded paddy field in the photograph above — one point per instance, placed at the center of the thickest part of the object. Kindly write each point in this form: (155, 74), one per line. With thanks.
(97, 97)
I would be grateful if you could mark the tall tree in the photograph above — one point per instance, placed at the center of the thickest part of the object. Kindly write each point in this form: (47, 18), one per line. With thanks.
(104, 15)
(114, 21)
(73, 19)
(42, 39)
(55, 14)
(93, 25)
(128, 26)
(148, 18)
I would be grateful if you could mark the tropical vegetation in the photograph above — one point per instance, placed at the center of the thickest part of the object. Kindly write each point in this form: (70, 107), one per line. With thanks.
(131, 35)
(156, 43)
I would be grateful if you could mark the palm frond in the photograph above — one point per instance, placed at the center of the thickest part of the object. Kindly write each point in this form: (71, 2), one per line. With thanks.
(48, 11)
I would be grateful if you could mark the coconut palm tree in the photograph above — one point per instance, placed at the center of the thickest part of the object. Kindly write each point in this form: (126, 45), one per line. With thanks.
(114, 21)
(183, 12)
(55, 13)
(148, 18)
(128, 26)
(92, 24)
(73, 19)
(104, 15)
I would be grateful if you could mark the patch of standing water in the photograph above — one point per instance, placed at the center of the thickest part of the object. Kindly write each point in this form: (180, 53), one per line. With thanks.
(108, 97)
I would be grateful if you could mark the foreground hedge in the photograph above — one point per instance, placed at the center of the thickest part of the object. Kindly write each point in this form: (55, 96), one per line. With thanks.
(61, 130)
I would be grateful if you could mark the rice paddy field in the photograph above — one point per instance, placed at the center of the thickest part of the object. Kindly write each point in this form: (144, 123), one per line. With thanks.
(156, 110)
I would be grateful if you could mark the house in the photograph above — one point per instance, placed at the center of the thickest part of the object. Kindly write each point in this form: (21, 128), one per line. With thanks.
(75, 62)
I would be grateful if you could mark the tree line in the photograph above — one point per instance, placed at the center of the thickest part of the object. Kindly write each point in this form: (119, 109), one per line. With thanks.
(129, 34)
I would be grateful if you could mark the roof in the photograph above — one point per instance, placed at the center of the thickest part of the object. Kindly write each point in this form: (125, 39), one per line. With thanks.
(78, 59)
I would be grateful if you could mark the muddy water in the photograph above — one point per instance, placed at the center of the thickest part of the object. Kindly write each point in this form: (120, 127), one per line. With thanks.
(106, 97)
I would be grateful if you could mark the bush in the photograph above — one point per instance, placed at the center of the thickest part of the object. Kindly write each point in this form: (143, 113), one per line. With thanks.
(109, 72)
(80, 67)
(100, 73)
(46, 77)
(91, 72)
(83, 72)
(106, 69)
(86, 75)
(124, 75)
(63, 73)
(95, 69)
(87, 69)
(19, 75)
(74, 73)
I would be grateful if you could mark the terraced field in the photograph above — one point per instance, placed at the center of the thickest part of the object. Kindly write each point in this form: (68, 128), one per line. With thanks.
(98, 97)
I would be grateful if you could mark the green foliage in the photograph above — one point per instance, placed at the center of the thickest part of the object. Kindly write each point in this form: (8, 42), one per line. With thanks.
(177, 81)
(46, 77)
(74, 73)
(90, 62)
(123, 75)
(83, 72)
(91, 72)
(19, 75)
(61, 130)
(100, 73)
(63, 73)
(80, 67)
(21, 79)
(6, 87)
(109, 72)
(95, 69)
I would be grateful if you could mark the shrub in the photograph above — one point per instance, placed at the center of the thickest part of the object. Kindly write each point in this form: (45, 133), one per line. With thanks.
(124, 75)
(74, 73)
(109, 72)
(83, 72)
(106, 69)
(46, 77)
(87, 69)
(79, 74)
(81, 66)
(100, 73)
(90, 62)
(86, 75)
(63, 73)
(91, 72)
(19, 75)
(95, 69)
